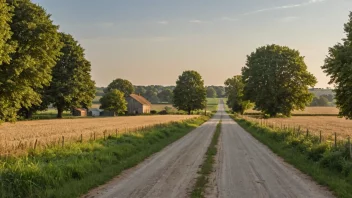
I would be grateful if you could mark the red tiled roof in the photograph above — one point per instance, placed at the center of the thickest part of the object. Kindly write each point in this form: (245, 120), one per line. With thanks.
(140, 99)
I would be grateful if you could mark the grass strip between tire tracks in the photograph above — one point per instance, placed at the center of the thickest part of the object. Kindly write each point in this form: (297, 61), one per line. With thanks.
(327, 165)
(75, 169)
(207, 166)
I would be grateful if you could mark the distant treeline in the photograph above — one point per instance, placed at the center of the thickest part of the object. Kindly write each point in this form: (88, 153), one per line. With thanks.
(163, 94)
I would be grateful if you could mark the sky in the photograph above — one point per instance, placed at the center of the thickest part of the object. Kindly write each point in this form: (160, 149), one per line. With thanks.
(151, 42)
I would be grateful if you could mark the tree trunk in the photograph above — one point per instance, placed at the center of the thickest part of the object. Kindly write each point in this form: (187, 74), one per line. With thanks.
(189, 111)
(60, 110)
(29, 114)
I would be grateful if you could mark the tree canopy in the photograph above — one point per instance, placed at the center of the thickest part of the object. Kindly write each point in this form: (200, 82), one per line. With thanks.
(234, 90)
(29, 67)
(338, 65)
(122, 85)
(277, 81)
(165, 96)
(211, 93)
(114, 101)
(189, 93)
(71, 85)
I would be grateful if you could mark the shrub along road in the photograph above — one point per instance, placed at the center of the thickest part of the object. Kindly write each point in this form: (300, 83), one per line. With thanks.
(244, 168)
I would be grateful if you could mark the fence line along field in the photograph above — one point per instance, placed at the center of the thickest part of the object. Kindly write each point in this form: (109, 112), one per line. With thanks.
(311, 111)
(327, 125)
(22, 135)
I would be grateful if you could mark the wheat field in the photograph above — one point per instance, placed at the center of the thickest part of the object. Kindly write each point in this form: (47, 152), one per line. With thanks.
(327, 125)
(17, 137)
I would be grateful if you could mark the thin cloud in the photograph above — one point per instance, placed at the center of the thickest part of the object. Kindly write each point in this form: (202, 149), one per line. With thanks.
(289, 19)
(196, 21)
(163, 22)
(285, 7)
(229, 19)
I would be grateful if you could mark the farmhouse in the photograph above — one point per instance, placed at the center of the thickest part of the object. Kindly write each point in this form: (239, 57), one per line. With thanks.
(137, 104)
(79, 112)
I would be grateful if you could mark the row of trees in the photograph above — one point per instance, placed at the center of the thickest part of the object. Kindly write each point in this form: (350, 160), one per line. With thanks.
(155, 93)
(275, 79)
(188, 95)
(38, 64)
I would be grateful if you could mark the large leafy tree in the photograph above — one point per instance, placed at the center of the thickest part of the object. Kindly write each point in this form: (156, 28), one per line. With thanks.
(338, 65)
(122, 85)
(114, 101)
(190, 92)
(211, 93)
(277, 81)
(29, 68)
(6, 46)
(165, 95)
(72, 85)
(234, 91)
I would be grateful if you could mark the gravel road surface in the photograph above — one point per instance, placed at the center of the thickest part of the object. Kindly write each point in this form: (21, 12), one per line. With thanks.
(245, 168)
(170, 173)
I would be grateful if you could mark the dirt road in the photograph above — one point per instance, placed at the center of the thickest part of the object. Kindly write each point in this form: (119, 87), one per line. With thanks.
(247, 168)
(167, 174)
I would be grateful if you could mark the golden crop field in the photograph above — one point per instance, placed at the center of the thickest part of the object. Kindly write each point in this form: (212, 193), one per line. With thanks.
(16, 137)
(328, 125)
(310, 110)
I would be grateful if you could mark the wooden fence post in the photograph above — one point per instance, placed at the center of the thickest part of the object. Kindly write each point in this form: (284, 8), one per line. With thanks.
(349, 145)
(35, 143)
(104, 134)
(63, 141)
(81, 138)
(307, 132)
(335, 140)
(320, 137)
(94, 136)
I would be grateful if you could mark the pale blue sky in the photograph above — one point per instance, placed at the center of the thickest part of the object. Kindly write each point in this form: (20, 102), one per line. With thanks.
(153, 41)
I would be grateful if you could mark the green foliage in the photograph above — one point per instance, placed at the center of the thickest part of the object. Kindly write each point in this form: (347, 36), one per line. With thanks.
(322, 101)
(165, 96)
(73, 170)
(114, 101)
(234, 91)
(71, 85)
(338, 65)
(6, 47)
(189, 93)
(29, 67)
(277, 81)
(122, 85)
(211, 93)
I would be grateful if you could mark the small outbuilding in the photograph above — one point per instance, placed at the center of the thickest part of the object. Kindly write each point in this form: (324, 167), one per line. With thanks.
(107, 113)
(137, 104)
(79, 112)
(94, 112)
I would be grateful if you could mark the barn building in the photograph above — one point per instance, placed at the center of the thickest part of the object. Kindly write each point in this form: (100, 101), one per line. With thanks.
(137, 104)
(79, 112)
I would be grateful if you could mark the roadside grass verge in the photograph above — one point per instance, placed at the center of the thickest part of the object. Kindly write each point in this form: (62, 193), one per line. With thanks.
(328, 165)
(76, 168)
(207, 166)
